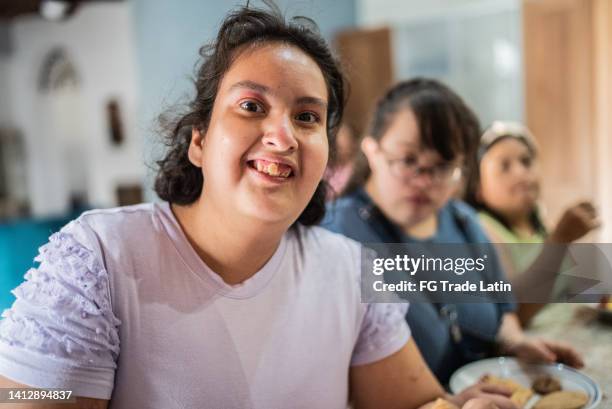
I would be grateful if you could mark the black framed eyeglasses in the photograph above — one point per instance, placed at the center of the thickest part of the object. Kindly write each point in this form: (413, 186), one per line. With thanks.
(408, 167)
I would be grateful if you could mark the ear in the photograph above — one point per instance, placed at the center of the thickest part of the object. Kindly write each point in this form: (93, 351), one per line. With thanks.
(369, 147)
(195, 147)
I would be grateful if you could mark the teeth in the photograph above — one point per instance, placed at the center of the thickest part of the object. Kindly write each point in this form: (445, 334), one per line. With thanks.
(273, 168)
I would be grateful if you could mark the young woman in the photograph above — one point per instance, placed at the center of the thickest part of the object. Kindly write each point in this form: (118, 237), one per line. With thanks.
(401, 192)
(223, 295)
(505, 188)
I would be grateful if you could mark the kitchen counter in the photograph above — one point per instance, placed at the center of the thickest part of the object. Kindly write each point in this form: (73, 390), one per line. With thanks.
(578, 325)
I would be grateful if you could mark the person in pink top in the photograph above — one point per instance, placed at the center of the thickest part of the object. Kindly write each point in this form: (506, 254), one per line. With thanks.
(225, 294)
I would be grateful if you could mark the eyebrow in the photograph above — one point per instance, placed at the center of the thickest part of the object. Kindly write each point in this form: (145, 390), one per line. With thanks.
(251, 85)
(266, 90)
(313, 101)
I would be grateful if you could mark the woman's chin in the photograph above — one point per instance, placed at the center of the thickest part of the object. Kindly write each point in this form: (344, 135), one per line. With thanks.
(418, 213)
(526, 205)
(411, 217)
(269, 212)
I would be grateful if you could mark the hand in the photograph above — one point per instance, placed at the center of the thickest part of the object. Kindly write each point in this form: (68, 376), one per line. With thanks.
(538, 350)
(576, 221)
(484, 396)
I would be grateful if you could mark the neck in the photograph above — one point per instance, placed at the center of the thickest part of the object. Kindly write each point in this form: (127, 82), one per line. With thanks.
(423, 229)
(372, 191)
(232, 247)
(521, 224)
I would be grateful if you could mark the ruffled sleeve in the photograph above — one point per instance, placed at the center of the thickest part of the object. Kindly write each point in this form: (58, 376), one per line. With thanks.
(61, 331)
(384, 331)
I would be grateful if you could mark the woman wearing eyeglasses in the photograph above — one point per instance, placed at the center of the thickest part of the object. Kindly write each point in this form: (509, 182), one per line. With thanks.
(402, 192)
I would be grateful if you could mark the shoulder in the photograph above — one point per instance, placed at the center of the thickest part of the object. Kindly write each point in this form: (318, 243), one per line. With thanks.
(500, 233)
(493, 224)
(118, 226)
(354, 216)
(343, 212)
(469, 220)
(324, 242)
(118, 217)
(462, 209)
(115, 237)
(326, 257)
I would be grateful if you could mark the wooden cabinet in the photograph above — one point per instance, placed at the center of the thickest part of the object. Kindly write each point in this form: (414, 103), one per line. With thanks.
(568, 101)
(367, 62)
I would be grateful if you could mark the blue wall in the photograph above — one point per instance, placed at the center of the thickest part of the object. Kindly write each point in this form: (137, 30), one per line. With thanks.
(167, 38)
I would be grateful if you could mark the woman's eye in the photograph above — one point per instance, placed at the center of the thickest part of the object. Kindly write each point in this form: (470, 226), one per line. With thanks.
(252, 106)
(307, 117)
(526, 161)
(410, 160)
(505, 166)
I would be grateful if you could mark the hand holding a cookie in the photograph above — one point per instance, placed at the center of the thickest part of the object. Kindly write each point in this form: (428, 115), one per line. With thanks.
(575, 222)
(539, 350)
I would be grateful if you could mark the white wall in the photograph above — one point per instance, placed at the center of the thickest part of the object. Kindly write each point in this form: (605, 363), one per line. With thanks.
(140, 51)
(389, 12)
(474, 46)
(479, 55)
(99, 43)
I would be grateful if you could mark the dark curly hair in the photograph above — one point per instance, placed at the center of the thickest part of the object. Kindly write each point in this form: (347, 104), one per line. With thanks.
(178, 180)
(446, 124)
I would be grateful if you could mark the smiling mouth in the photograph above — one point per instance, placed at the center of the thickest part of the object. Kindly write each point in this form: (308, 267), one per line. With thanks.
(274, 169)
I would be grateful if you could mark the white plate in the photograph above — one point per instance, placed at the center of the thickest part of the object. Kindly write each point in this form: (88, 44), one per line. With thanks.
(571, 380)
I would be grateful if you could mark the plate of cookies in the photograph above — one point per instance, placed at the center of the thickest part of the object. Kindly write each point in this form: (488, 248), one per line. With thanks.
(532, 386)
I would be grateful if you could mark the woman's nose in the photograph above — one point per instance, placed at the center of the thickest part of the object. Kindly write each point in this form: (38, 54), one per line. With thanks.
(280, 135)
(521, 170)
(422, 178)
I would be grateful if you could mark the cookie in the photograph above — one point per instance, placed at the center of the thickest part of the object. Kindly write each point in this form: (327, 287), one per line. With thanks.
(546, 384)
(562, 400)
(509, 384)
(521, 396)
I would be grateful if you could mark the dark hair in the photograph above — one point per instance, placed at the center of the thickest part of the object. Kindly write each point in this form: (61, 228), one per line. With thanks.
(472, 186)
(446, 124)
(178, 180)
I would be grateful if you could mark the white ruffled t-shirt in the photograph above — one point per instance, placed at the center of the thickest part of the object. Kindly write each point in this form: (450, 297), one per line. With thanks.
(121, 307)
